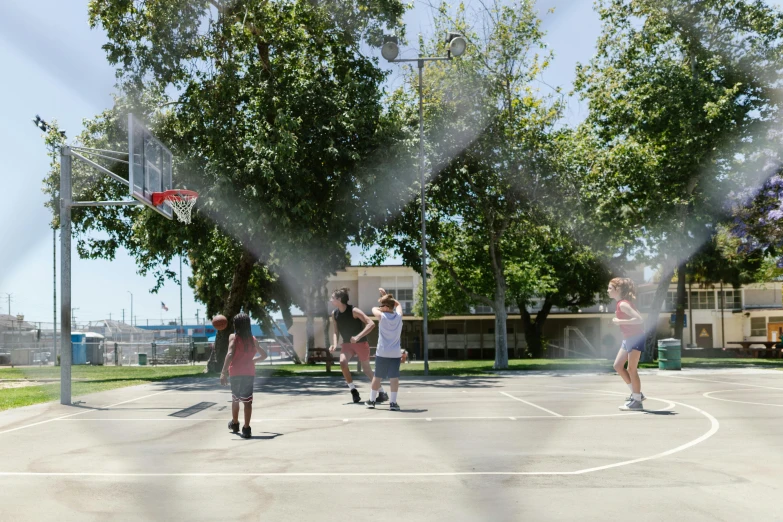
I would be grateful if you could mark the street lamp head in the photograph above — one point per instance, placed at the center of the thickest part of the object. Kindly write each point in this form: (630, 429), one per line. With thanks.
(457, 44)
(40, 123)
(390, 48)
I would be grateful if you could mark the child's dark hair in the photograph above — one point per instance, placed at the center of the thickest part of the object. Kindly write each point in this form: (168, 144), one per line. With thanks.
(341, 294)
(242, 328)
(626, 287)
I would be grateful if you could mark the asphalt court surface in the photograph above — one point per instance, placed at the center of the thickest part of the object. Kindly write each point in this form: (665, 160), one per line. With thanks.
(709, 446)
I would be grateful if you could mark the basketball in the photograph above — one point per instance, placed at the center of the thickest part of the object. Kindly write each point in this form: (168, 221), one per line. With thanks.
(220, 322)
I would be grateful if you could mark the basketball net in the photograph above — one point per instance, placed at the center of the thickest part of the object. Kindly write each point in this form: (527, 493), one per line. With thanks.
(181, 202)
(182, 205)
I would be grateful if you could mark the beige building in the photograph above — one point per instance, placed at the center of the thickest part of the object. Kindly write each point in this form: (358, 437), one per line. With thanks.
(753, 312)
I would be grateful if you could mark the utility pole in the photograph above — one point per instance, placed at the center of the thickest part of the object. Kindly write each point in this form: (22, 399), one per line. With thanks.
(10, 298)
(123, 315)
(73, 316)
(109, 316)
(131, 315)
(45, 127)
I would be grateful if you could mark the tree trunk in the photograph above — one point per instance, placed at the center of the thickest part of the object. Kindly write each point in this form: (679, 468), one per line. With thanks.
(310, 325)
(651, 325)
(690, 313)
(287, 319)
(679, 320)
(236, 297)
(533, 330)
(501, 338)
(326, 324)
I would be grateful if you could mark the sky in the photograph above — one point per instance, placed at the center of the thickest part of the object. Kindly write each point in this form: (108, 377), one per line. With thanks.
(53, 65)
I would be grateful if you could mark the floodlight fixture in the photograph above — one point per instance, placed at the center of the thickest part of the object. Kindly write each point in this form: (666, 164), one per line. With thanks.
(457, 44)
(390, 48)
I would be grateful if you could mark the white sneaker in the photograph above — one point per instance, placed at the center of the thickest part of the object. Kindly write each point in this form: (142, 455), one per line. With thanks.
(632, 405)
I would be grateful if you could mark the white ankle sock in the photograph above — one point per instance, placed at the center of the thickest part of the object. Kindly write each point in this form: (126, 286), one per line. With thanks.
(351, 385)
(373, 395)
(630, 387)
(393, 397)
(637, 396)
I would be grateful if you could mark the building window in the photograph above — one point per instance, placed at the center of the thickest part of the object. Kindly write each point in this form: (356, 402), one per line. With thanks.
(702, 300)
(405, 297)
(671, 300)
(758, 326)
(645, 300)
(732, 299)
(483, 309)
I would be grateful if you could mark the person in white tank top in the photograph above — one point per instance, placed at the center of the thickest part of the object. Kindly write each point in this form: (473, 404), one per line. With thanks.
(388, 353)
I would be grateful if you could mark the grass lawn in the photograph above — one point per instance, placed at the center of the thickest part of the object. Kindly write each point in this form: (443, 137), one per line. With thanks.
(91, 379)
(86, 379)
(467, 368)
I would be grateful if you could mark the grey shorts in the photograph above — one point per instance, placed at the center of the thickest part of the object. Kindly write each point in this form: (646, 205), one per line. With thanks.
(387, 367)
(242, 388)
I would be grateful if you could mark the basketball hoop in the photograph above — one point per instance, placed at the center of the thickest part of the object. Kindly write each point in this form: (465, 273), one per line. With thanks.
(181, 202)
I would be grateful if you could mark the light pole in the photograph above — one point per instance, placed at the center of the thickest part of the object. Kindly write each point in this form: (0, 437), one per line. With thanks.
(390, 50)
(181, 325)
(131, 316)
(44, 126)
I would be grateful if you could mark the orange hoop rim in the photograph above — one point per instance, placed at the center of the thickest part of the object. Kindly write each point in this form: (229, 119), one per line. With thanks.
(158, 198)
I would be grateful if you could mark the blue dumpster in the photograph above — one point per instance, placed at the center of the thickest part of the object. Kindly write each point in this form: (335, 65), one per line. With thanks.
(78, 348)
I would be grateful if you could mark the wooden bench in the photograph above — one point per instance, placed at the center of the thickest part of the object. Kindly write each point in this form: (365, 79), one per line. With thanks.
(769, 348)
(317, 355)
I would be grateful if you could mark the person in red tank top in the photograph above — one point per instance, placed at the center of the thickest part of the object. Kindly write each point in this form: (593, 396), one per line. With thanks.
(631, 324)
(240, 366)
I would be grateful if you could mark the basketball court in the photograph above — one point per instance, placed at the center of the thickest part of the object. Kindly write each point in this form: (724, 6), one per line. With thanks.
(708, 447)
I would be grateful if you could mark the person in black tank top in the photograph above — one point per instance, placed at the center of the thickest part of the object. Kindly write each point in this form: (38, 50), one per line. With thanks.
(347, 325)
(352, 325)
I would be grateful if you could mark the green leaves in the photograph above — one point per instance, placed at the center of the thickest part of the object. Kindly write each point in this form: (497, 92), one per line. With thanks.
(272, 112)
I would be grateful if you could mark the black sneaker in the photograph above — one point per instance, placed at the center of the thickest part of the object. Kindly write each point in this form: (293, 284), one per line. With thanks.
(233, 426)
(370, 404)
(355, 394)
(245, 432)
(382, 397)
(393, 406)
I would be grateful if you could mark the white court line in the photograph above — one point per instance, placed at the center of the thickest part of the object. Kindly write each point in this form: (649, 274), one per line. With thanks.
(714, 426)
(531, 404)
(724, 382)
(709, 396)
(492, 391)
(371, 419)
(89, 411)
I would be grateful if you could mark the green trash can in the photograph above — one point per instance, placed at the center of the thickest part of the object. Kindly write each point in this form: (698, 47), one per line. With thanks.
(669, 354)
(142, 359)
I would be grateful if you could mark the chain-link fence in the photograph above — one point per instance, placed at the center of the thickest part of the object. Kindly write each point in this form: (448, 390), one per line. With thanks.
(95, 351)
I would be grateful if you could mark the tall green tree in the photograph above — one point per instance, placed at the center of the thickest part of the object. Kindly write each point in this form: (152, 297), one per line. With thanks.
(683, 113)
(491, 136)
(273, 109)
